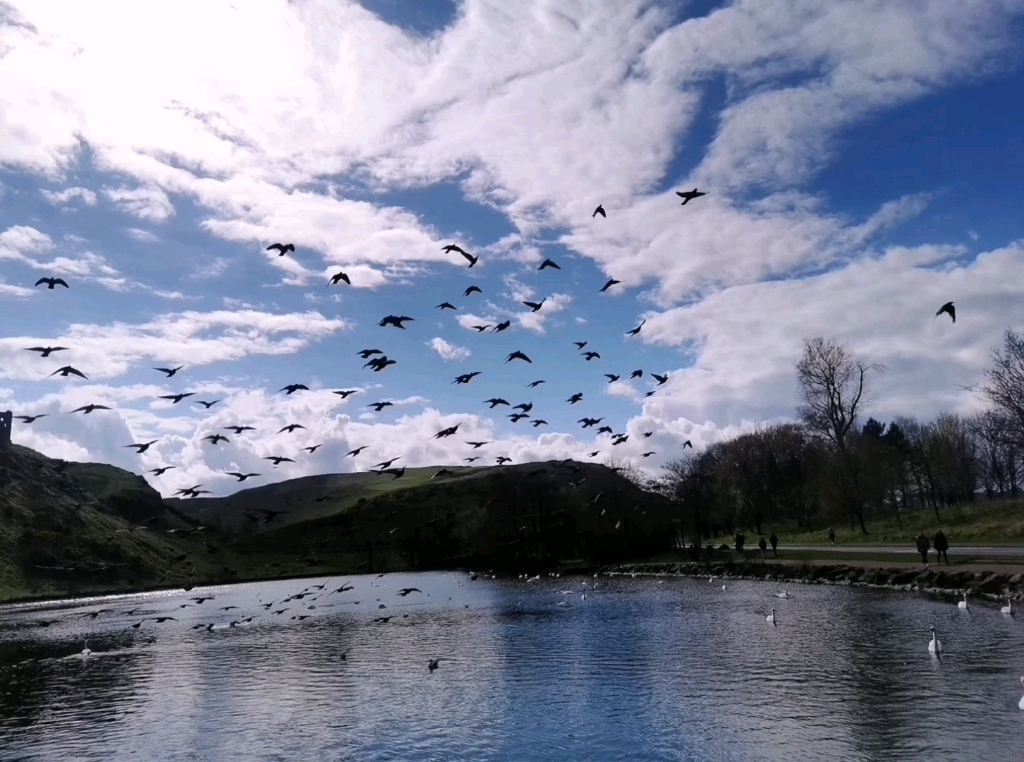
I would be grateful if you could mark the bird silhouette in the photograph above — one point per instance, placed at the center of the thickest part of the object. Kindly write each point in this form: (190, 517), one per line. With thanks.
(394, 320)
(516, 417)
(386, 463)
(68, 370)
(502, 459)
(51, 282)
(526, 407)
(290, 428)
(366, 353)
(660, 379)
(687, 196)
(206, 404)
(548, 263)
(160, 471)
(379, 363)
(344, 394)
(580, 344)
(502, 326)
(517, 355)
(141, 448)
(86, 409)
(447, 432)
(611, 282)
(278, 460)
(636, 330)
(647, 434)
(30, 418)
(477, 445)
(176, 398)
(538, 422)
(378, 406)
(459, 250)
(292, 388)
(647, 454)
(446, 306)
(949, 309)
(532, 384)
(338, 277)
(636, 374)
(312, 448)
(356, 451)
(535, 306)
(470, 460)
(465, 378)
(495, 401)
(239, 429)
(240, 476)
(480, 328)
(45, 351)
(611, 377)
(472, 290)
(215, 438)
(591, 355)
(169, 371)
(281, 248)
(599, 210)
(605, 430)
(406, 590)
(687, 443)
(575, 398)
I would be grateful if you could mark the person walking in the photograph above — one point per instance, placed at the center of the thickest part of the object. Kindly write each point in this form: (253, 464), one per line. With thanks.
(774, 540)
(941, 545)
(922, 547)
(763, 546)
(832, 535)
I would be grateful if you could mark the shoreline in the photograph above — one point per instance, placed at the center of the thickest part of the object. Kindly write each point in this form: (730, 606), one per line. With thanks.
(985, 584)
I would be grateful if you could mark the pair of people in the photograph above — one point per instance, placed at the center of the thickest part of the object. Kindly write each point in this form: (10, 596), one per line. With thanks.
(939, 542)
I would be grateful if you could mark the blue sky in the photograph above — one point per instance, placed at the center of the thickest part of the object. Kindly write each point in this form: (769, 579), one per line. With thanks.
(857, 181)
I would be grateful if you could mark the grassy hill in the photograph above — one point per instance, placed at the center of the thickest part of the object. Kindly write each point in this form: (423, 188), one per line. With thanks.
(85, 528)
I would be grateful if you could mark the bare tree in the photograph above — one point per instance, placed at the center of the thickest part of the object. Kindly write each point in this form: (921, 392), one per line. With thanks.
(832, 389)
(1004, 385)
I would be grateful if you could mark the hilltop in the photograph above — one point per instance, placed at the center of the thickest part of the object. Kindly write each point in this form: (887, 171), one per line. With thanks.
(81, 528)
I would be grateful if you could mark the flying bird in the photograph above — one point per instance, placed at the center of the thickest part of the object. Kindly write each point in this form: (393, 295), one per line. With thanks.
(472, 290)
(611, 282)
(535, 306)
(215, 438)
(459, 250)
(378, 406)
(292, 388)
(356, 451)
(660, 379)
(591, 355)
(169, 371)
(687, 443)
(949, 309)
(588, 422)
(30, 418)
(636, 374)
(290, 428)
(480, 328)
(647, 434)
(379, 363)
(241, 477)
(636, 330)
(446, 306)
(594, 454)
(690, 195)
(517, 355)
(394, 320)
(548, 263)
(206, 404)
(338, 277)
(605, 430)
(141, 448)
(312, 448)
(51, 282)
(368, 352)
(580, 345)
(447, 432)
(575, 398)
(160, 471)
(86, 409)
(67, 369)
(535, 383)
(538, 422)
(502, 459)
(397, 473)
(470, 460)
(465, 378)
(516, 417)
(502, 326)
(45, 351)
(647, 454)
(278, 460)
(344, 394)
(477, 445)
(599, 210)
(281, 248)
(386, 463)
(406, 590)
(526, 407)
(611, 377)
(239, 429)
(495, 401)
(176, 398)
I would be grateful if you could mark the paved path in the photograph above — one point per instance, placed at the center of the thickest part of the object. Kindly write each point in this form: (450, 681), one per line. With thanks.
(987, 551)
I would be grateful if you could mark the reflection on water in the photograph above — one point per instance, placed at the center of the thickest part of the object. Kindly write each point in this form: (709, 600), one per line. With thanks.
(639, 669)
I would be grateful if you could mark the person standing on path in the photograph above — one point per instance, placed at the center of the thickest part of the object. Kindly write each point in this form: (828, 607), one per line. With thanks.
(774, 540)
(922, 547)
(941, 545)
(763, 546)
(832, 535)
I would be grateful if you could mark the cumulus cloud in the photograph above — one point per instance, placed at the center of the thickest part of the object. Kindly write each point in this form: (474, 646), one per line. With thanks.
(68, 194)
(448, 351)
(151, 204)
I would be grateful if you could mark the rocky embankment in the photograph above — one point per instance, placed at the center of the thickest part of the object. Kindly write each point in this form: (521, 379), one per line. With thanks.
(982, 584)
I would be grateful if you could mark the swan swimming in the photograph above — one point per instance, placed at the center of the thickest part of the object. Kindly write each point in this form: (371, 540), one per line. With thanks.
(770, 619)
(783, 594)
(1008, 608)
(934, 645)
(963, 604)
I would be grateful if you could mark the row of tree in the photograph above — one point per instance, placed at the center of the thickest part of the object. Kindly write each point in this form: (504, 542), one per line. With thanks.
(828, 465)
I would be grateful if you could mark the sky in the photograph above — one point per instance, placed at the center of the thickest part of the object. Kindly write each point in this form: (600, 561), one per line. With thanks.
(862, 160)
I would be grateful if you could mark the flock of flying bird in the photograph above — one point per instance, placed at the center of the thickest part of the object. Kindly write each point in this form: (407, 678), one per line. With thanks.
(377, 361)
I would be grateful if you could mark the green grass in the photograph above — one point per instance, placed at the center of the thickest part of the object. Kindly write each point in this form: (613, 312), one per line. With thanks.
(983, 523)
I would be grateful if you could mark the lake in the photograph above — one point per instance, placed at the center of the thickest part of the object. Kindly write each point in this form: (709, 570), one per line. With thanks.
(639, 669)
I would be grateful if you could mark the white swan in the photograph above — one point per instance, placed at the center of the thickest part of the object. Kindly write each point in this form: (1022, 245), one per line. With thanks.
(934, 645)
(1021, 704)
(564, 604)
(783, 594)
(770, 619)
(85, 651)
(1008, 608)
(723, 587)
(963, 604)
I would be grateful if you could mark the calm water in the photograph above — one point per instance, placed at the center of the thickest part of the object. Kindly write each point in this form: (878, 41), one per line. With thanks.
(639, 670)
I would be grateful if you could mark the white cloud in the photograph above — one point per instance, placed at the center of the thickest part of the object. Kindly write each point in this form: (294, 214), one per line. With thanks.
(68, 194)
(143, 236)
(448, 351)
(151, 203)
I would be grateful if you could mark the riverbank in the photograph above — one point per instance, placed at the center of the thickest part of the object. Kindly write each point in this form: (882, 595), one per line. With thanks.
(987, 581)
